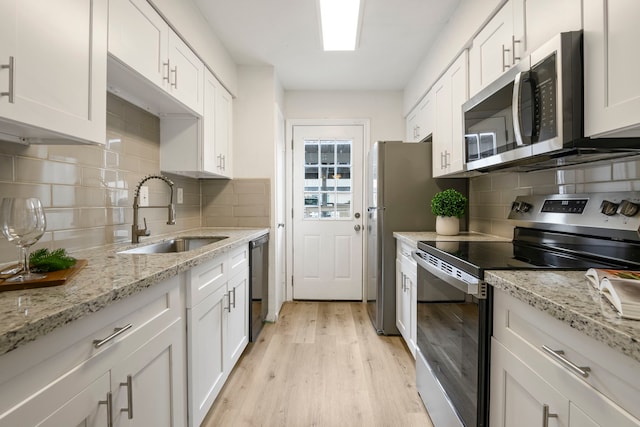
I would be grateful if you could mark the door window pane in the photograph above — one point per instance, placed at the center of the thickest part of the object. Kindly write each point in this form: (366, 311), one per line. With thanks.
(328, 189)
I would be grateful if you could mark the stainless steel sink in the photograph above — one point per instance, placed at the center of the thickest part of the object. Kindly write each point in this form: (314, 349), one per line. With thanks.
(181, 244)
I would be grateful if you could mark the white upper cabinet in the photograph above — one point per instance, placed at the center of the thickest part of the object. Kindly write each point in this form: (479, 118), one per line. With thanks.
(612, 87)
(449, 93)
(519, 27)
(223, 131)
(419, 123)
(53, 70)
(142, 41)
(543, 19)
(186, 74)
(200, 147)
(492, 51)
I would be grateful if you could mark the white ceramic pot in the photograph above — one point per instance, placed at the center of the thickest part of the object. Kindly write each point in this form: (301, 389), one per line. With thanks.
(447, 225)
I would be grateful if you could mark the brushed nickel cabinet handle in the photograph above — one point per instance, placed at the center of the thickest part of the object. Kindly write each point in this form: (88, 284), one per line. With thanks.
(505, 66)
(513, 50)
(116, 332)
(109, 403)
(168, 65)
(11, 67)
(129, 386)
(234, 297)
(228, 307)
(558, 355)
(175, 77)
(546, 415)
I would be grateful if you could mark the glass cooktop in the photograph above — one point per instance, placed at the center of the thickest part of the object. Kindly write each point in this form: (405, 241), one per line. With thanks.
(474, 257)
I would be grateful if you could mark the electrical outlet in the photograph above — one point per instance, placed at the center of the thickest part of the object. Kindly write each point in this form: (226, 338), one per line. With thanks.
(143, 196)
(180, 196)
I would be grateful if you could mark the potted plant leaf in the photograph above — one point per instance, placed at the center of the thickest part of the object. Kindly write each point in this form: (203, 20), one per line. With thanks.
(448, 206)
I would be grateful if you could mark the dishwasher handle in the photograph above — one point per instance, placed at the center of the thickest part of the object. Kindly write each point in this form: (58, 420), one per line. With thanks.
(262, 240)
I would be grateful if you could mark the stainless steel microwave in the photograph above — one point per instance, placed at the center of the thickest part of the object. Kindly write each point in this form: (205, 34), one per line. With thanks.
(532, 117)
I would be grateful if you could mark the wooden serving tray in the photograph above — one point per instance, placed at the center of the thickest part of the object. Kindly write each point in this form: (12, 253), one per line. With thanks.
(53, 278)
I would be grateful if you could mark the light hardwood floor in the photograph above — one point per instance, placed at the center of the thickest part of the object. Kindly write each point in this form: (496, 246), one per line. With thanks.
(321, 364)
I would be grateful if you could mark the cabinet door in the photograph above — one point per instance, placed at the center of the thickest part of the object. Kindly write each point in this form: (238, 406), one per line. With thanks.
(205, 351)
(519, 396)
(237, 324)
(458, 77)
(450, 92)
(148, 386)
(425, 120)
(402, 315)
(490, 54)
(139, 38)
(224, 131)
(53, 57)
(55, 406)
(543, 19)
(611, 60)
(412, 284)
(208, 150)
(186, 74)
(442, 129)
(411, 131)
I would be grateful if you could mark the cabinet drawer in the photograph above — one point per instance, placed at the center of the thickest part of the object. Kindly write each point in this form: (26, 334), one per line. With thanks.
(525, 330)
(238, 260)
(403, 250)
(206, 278)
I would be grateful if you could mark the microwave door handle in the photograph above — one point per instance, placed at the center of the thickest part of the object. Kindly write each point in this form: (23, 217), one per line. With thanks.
(523, 108)
(515, 109)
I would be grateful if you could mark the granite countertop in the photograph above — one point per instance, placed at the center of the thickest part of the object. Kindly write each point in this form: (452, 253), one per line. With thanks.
(568, 296)
(108, 277)
(413, 237)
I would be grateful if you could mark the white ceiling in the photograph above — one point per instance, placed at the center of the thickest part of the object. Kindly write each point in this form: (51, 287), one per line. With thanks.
(394, 38)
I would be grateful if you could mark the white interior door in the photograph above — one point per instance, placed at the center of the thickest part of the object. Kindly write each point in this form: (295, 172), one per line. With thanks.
(327, 212)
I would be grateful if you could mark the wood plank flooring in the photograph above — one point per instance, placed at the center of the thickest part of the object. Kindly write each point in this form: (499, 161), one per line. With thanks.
(321, 364)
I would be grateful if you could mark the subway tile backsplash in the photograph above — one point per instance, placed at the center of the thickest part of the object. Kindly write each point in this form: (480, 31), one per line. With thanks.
(490, 195)
(88, 191)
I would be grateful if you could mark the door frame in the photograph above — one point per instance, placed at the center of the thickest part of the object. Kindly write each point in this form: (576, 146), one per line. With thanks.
(366, 141)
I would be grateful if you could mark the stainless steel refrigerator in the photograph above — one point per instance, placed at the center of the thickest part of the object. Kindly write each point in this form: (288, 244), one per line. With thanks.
(400, 188)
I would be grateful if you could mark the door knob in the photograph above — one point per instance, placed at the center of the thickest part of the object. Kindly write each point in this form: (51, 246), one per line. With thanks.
(357, 227)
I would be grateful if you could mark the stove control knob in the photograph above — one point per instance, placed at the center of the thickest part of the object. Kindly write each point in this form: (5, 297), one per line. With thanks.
(628, 208)
(608, 208)
(521, 207)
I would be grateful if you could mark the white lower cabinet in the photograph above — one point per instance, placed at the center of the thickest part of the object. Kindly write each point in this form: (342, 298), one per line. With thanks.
(217, 326)
(406, 297)
(532, 387)
(147, 385)
(134, 378)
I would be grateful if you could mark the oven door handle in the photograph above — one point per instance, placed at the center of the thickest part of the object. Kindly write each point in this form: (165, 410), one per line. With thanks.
(468, 288)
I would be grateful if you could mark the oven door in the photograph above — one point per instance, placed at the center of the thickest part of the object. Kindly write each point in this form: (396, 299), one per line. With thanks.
(452, 361)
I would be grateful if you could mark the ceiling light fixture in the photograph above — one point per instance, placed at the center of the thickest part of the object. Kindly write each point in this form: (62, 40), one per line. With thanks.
(339, 20)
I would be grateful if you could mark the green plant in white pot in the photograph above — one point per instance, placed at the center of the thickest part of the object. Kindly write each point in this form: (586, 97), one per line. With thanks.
(448, 206)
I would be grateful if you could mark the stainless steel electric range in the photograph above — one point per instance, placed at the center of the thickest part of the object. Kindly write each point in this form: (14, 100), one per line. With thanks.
(454, 315)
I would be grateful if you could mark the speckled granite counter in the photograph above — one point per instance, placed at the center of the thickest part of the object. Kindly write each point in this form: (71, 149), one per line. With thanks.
(413, 237)
(109, 277)
(567, 296)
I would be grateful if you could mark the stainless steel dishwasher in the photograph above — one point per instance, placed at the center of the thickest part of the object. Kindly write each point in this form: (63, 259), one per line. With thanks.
(259, 284)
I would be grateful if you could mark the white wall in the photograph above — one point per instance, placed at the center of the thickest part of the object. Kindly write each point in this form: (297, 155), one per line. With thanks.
(467, 20)
(186, 18)
(382, 108)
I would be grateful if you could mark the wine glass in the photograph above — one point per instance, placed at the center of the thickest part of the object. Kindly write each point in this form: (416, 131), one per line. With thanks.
(23, 224)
